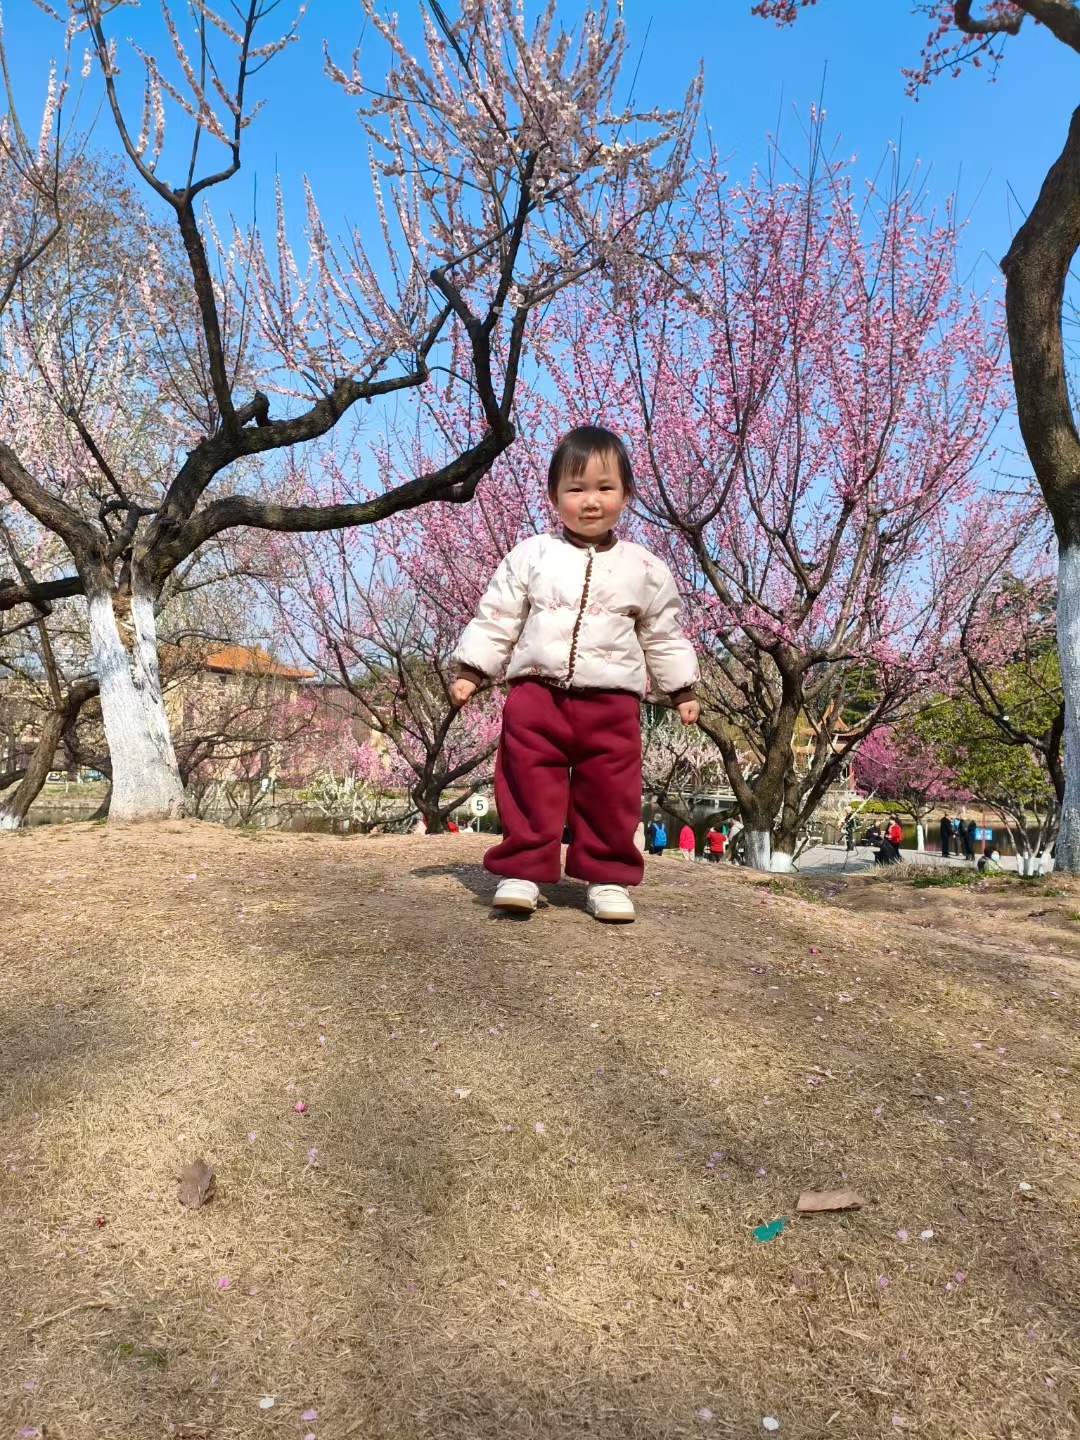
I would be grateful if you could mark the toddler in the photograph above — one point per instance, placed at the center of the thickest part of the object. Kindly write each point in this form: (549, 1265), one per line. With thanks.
(579, 616)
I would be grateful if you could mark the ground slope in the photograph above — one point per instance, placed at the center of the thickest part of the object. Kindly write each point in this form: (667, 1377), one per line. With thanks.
(521, 1197)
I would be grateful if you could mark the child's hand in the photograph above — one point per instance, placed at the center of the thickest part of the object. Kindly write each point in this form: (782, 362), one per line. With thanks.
(462, 690)
(689, 711)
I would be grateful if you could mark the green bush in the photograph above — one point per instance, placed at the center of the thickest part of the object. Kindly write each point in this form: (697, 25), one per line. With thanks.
(940, 879)
(878, 806)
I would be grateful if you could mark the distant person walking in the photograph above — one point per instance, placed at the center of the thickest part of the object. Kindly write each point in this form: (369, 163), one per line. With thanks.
(687, 843)
(655, 836)
(946, 836)
(969, 838)
(715, 845)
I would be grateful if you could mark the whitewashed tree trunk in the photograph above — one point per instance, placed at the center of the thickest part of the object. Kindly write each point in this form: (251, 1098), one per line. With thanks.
(9, 818)
(758, 849)
(15, 803)
(146, 778)
(920, 837)
(781, 862)
(1067, 853)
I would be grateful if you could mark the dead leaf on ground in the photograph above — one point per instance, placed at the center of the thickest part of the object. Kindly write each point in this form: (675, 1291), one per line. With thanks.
(193, 1183)
(819, 1202)
(803, 1283)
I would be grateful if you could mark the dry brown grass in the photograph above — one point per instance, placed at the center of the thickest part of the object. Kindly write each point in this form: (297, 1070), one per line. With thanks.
(565, 1249)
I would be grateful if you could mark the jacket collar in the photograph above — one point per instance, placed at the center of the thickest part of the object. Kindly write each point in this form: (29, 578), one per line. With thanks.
(608, 542)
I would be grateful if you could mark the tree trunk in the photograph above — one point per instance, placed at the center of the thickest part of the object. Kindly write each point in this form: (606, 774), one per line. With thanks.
(1036, 269)
(758, 848)
(146, 779)
(102, 811)
(785, 835)
(771, 797)
(14, 807)
(426, 801)
(1067, 853)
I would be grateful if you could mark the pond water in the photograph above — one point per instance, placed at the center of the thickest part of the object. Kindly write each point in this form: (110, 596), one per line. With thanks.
(60, 814)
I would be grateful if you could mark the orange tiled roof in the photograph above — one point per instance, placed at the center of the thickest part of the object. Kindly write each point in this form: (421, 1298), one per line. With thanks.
(253, 660)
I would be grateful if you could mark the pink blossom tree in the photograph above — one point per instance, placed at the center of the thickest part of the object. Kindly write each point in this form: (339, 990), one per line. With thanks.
(356, 612)
(807, 408)
(1036, 269)
(234, 744)
(502, 171)
(901, 764)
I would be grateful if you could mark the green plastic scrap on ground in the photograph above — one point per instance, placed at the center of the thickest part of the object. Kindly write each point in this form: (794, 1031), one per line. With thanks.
(770, 1229)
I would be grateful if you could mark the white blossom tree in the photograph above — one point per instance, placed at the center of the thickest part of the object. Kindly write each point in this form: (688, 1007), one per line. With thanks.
(147, 409)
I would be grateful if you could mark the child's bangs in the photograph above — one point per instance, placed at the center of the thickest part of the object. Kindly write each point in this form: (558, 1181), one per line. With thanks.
(578, 447)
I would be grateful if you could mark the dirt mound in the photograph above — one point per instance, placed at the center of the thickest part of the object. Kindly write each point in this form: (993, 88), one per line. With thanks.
(481, 1177)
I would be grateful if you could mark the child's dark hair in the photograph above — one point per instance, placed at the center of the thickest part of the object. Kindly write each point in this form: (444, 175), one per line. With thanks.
(576, 449)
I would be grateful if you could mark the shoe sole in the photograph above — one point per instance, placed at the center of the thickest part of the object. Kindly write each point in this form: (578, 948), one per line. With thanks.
(514, 903)
(613, 919)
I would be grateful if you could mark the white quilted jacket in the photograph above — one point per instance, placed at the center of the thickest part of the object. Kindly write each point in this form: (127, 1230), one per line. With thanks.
(577, 616)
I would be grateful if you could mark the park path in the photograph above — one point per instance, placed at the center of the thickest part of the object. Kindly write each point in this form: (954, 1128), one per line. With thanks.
(480, 1177)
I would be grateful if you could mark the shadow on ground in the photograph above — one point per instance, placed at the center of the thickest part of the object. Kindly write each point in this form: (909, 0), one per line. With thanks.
(518, 1193)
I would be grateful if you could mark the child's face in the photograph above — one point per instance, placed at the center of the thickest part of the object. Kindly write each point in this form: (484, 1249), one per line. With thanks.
(590, 503)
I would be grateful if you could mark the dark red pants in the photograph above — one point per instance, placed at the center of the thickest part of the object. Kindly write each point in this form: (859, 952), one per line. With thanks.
(568, 757)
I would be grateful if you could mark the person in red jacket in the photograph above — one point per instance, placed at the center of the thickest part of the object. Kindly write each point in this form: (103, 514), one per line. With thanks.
(687, 843)
(715, 844)
(889, 851)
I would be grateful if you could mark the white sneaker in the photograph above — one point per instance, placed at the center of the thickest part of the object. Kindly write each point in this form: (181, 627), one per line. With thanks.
(516, 895)
(610, 902)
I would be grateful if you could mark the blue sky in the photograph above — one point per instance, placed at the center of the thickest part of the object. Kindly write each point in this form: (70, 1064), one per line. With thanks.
(993, 142)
